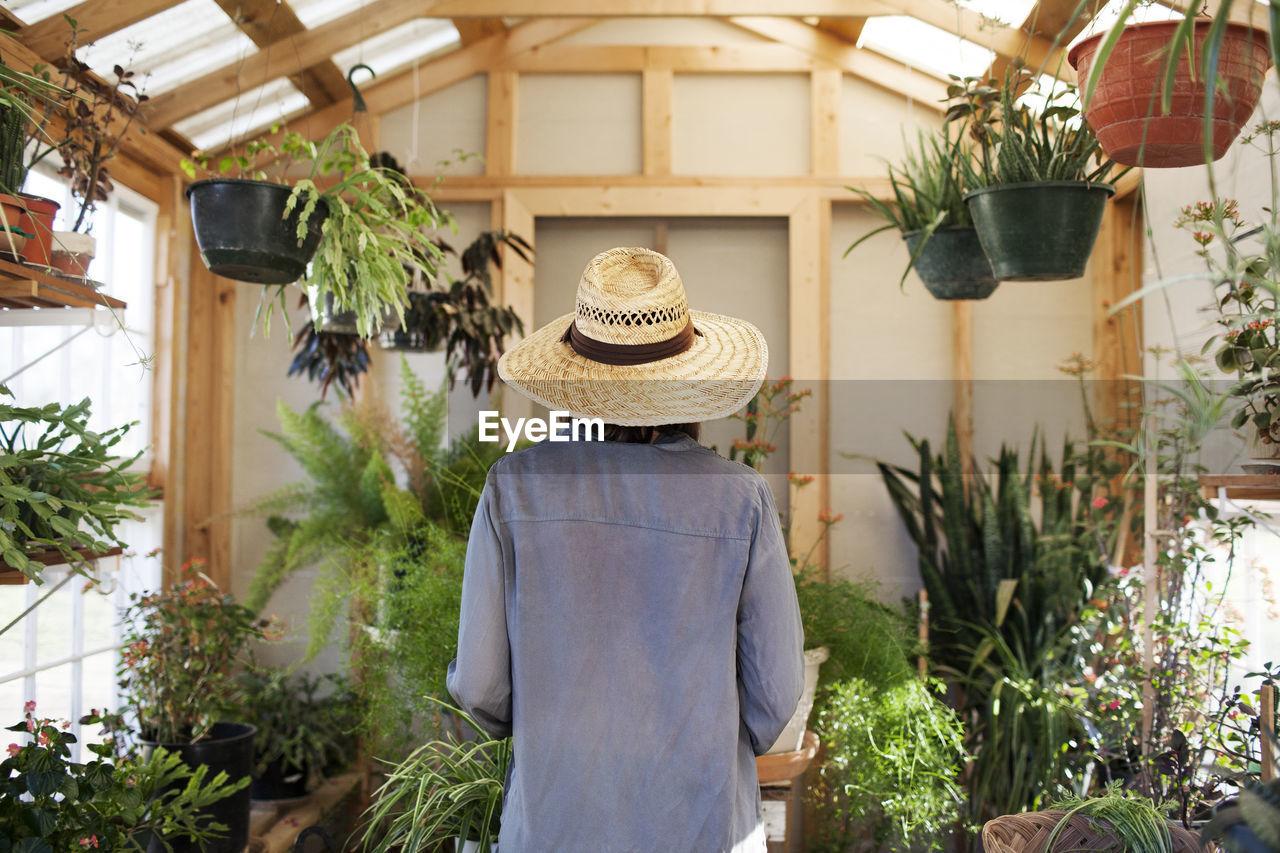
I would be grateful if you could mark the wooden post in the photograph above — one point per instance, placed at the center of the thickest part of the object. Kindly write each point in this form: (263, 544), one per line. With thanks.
(1117, 272)
(207, 419)
(500, 135)
(656, 86)
(809, 312)
(824, 121)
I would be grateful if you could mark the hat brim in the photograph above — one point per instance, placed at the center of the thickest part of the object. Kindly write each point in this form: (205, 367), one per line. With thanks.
(715, 377)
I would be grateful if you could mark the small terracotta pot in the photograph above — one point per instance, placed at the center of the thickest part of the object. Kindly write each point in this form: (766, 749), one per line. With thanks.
(1124, 110)
(37, 220)
(10, 211)
(72, 253)
(12, 242)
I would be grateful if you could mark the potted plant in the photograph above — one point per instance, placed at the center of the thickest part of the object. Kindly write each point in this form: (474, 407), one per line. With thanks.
(18, 90)
(84, 124)
(891, 749)
(1117, 820)
(445, 790)
(329, 357)
(65, 491)
(459, 315)
(366, 227)
(1033, 190)
(116, 800)
(928, 208)
(300, 733)
(180, 649)
(1147, 102)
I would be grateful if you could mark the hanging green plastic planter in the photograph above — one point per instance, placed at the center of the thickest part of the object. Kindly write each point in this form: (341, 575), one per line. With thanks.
(1041, 231)
(951, 263)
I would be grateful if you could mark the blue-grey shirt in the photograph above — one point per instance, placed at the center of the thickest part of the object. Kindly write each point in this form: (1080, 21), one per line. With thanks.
(628, 613)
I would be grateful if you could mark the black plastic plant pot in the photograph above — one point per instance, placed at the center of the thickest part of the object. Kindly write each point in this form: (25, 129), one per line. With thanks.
(279, 781)
(243, 234)
(952, 264)
(229, 748)
(1039, 231)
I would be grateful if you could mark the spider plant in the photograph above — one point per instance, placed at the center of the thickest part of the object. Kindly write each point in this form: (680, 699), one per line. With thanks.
(446, 789)
(927, 192)
(1019, 143)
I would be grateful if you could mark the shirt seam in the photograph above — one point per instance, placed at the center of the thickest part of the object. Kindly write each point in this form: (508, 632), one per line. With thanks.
(705, 534)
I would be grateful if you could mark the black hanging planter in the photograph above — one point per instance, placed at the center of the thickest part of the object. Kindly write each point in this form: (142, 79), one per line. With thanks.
(279, 781)
(952, 264)
(418, 332)
(243, 234)
(229, 748)
(1039, 231)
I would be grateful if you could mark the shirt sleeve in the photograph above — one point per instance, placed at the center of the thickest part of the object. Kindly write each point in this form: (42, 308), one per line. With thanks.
(770, 636)
(480, 677)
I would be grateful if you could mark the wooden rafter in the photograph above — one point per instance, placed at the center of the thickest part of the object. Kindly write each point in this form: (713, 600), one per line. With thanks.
(849, 29)
(471, 30)
(283, 58)
(147, 148)
(97, 18)
(273, 22)
(1004, 40)
(872, 67)
(441, 73)
(654, 8)
(685, 59)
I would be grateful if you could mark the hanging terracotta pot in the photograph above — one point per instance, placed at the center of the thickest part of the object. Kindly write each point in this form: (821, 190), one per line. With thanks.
(1125, 109)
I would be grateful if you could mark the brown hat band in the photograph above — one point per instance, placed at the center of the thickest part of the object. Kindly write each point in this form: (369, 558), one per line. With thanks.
(626, 354)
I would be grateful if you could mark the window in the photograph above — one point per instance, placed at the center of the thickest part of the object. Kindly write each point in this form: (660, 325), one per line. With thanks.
(62, 654)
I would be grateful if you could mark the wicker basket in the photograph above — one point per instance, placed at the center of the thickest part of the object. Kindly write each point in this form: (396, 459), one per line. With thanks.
(1028, 832)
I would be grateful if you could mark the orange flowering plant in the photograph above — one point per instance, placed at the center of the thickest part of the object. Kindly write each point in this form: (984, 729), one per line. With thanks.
(181, 649)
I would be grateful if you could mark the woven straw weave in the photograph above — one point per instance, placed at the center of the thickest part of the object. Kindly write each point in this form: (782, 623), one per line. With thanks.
(629, 297)
(1028, 832)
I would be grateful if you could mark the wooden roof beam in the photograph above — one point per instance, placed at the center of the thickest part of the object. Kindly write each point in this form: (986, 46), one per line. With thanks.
(849, 29)
(270, 22)
(145, 147)
(653, 8)
(472, 30)
(1004, 40)
(880, 70)
(284, 58)
(97, 18)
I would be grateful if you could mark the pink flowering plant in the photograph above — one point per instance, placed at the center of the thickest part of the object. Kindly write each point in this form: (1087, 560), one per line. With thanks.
(115, 801)
(1242, 260)
(182, 648)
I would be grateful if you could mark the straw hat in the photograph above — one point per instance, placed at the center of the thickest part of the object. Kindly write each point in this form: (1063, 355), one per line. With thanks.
(634, 354)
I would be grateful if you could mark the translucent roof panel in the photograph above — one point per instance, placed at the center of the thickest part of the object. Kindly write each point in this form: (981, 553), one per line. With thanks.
(421, 39)
(1009, 12)
(173, 47)
(924, 46)
(276, 101)
(1110, 13)
(31, 11)
(313, 13)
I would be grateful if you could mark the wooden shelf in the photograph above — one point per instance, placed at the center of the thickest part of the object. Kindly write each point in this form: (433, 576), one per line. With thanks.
(12, 577)
(23, 287)
(1261, 487)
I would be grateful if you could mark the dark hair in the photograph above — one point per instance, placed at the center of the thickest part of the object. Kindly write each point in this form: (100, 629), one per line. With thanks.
(649, 434)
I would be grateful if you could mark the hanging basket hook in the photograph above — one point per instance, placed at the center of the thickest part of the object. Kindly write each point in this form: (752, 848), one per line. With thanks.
(360, 106)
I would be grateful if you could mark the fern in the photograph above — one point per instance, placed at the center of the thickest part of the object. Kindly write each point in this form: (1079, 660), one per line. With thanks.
(425, 415)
